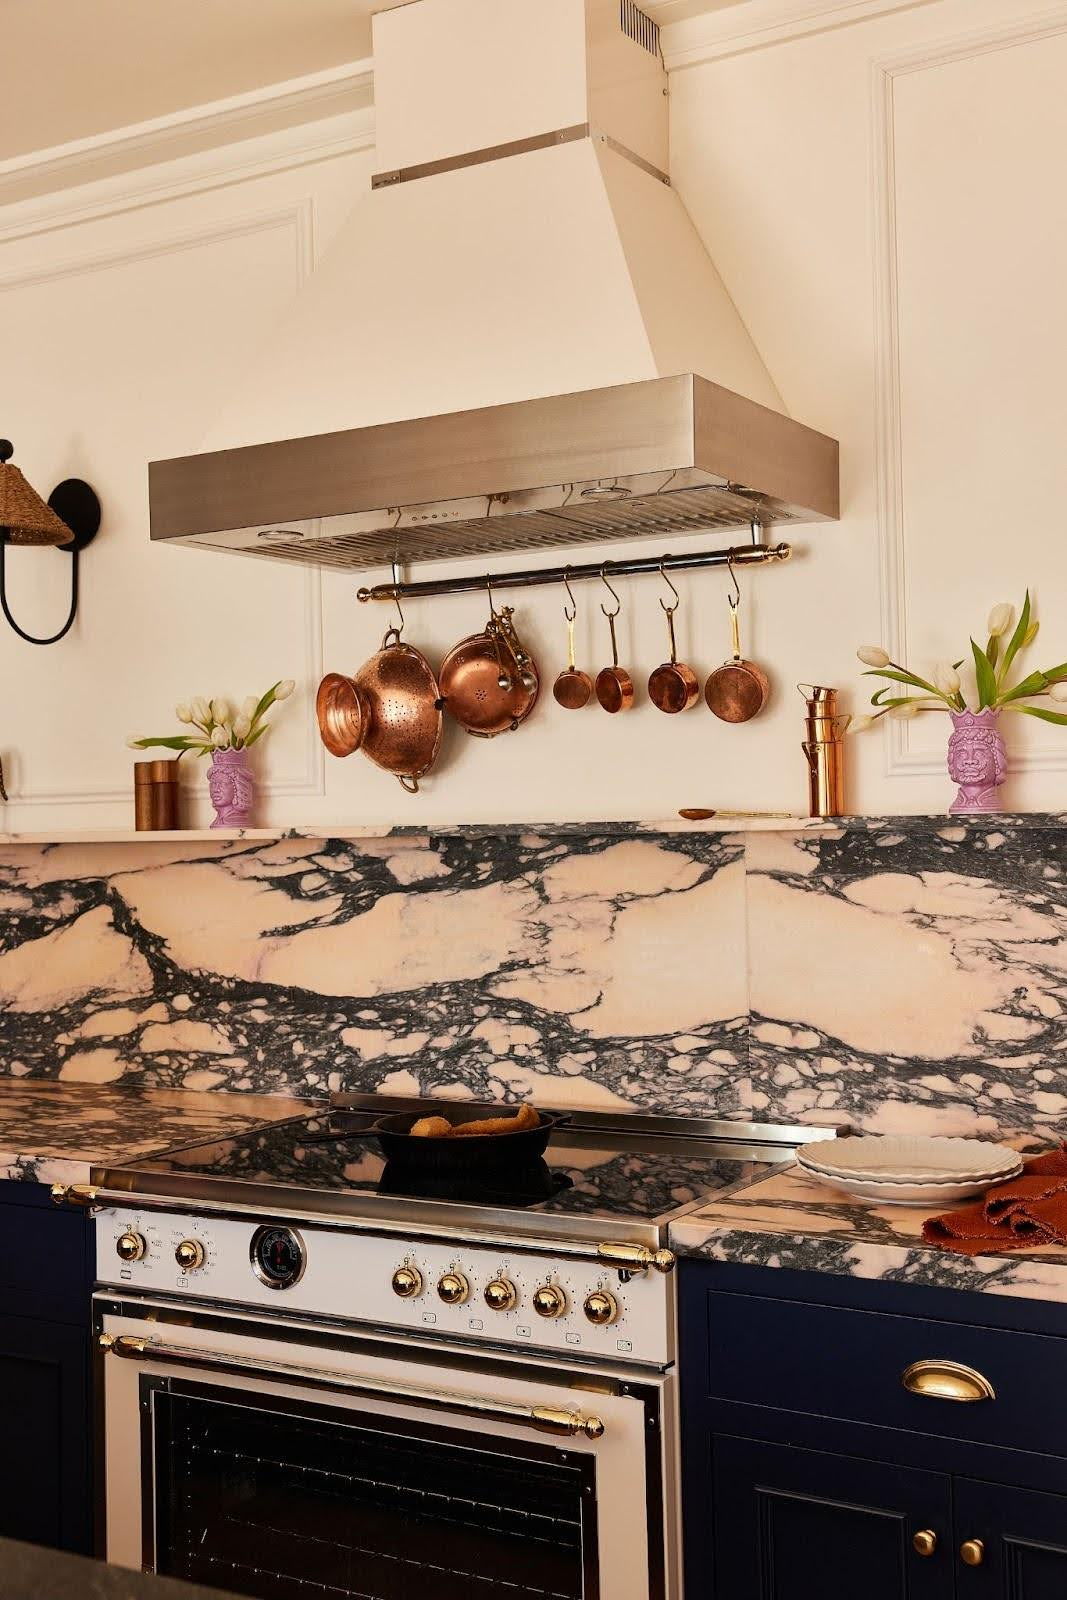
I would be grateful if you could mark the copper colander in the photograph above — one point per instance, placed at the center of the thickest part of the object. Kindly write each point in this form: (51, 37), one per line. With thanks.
(391, 710)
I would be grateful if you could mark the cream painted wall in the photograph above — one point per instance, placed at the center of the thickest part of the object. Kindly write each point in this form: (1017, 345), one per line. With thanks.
(885, 202)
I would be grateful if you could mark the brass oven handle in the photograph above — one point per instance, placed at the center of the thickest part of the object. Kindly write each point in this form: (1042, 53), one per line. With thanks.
(636, 1257)
(74, 1194)
(947, 1380)
(546, 1419)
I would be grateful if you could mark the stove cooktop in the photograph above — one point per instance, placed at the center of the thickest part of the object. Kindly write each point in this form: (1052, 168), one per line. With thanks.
(589, 1173)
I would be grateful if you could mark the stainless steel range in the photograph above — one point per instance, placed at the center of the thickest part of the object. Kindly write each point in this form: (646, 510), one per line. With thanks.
(317, 1381)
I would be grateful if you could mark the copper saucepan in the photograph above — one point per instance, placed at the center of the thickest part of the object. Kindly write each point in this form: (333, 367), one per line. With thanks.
(391, 710)
(738, 690)
(614, 685)
(573, 688)
(673, 686)
(489, 681)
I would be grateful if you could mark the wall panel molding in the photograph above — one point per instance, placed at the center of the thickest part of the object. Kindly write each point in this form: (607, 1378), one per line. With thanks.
(296, 218)
(901, 760)
(761, 24)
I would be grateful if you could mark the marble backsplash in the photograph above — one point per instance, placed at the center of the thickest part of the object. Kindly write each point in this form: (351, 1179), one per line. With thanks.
(893, 973)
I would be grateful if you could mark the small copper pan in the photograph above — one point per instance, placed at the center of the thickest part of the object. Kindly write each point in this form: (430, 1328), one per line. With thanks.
(738, 690)
(573, 688)
(391, 710)
(489, 681)
(673, 687)
(614, 685)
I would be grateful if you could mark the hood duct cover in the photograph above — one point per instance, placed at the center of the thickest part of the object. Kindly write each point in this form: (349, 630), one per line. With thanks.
(495, 352)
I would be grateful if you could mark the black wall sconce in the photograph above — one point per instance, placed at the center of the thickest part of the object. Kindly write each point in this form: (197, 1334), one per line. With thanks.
(69, 522)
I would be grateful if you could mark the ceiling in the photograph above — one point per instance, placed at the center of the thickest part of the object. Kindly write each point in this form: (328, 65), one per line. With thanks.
(70, 69)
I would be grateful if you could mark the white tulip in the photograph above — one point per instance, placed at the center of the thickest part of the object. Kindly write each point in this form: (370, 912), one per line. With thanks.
(905, 712)
(872, 655)
(242, 727)
(1058, 692)
(248, 707)
(220, 710)
(947, 678)
(284, 689)
(1000, 619)
(201, 710)
(183, 713)
(220, 738)
(861, 724)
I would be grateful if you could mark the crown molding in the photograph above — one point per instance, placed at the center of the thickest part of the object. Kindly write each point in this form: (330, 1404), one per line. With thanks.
(759, 24)
(342, 92)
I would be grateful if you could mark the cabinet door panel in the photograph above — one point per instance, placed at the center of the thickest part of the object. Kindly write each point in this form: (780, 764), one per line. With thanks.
(793, 1524)
(44, 1426)
(1024, 1535)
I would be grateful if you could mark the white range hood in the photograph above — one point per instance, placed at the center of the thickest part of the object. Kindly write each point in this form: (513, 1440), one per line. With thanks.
(520, 240)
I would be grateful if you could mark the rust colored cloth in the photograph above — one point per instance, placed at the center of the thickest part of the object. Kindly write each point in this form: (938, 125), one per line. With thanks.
(1028, 1210)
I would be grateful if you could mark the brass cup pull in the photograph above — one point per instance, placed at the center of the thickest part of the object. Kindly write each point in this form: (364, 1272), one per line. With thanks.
(972, 1552)
(947, 1380)
(924, 1543)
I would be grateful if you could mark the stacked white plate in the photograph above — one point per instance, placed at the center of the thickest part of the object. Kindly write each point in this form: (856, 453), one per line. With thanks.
(908, 1169)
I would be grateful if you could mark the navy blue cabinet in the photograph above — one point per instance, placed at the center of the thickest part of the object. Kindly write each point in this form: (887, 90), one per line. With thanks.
(811, 1472)
(45, 1290)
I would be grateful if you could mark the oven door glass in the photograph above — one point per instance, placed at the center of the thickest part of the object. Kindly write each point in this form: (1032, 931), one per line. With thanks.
(281, 1499)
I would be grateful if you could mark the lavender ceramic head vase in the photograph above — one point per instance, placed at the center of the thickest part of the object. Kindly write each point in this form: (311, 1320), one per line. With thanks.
(977, 760)
(231, 788)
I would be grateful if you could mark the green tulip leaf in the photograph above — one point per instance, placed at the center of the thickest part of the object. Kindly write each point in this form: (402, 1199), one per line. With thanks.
(987, 680)
(1018, 638)
(1046, 716)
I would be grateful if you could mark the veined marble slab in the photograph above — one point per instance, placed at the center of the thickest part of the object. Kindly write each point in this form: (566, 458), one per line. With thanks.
(599, 969)
(790, 1220)
(55, 1132)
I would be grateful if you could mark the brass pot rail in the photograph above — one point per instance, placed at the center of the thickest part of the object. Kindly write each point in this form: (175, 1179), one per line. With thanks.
(545, 1419)
(756, 554)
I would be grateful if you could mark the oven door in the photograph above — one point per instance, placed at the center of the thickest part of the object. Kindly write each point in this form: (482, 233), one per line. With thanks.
(283, 1460)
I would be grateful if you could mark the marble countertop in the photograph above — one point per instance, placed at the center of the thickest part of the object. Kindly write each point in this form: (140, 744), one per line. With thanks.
(790, 1220)
(55, 1132)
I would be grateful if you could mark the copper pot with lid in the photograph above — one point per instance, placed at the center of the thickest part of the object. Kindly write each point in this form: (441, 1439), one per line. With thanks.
(489, 681)
(390, 709)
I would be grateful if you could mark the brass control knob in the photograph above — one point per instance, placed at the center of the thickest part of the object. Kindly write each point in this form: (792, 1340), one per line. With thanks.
(972, 1552)
(190, 1255)
(454, 1289)
(549, 1301)
(130, 1247)
(601, 1307)
(924, 1543)
(407, 1283)
(501, 1295)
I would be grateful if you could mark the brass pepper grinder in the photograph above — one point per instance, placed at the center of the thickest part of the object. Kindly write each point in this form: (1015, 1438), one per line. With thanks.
(824, 749)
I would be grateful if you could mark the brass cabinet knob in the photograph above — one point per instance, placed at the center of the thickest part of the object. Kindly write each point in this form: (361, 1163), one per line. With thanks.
(501, 1295)
(924, 1543)
(549, 1301)
(601, 1307)
(972, 1552)
(190, 1255)
(131, 1246)
(407, 1283)
(453, 1289)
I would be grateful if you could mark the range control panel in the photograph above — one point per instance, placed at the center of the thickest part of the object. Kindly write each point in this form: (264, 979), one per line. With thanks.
(433, 1288)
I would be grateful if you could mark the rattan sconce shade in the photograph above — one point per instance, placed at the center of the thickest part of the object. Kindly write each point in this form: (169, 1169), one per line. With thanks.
(24, 516)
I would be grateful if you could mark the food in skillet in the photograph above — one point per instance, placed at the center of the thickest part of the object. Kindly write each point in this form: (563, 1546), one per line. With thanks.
(440, 1128)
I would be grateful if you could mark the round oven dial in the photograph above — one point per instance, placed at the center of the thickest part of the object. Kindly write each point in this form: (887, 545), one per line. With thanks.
(453, 1289)
(549, 1301)
(190, 1255)
(407, 1283)
(501, 1295)
(601, 1308)
(131, 1246)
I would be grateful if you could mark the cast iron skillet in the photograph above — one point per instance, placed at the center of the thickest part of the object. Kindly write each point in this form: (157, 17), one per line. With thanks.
(479, 1151)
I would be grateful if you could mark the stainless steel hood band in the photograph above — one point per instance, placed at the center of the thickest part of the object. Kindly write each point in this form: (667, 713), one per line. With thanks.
(545, 1419)
(622, 1256)
(755, 554)
(516, 147)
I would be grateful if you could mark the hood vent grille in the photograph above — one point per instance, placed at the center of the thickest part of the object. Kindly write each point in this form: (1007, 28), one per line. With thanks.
(641, 29)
